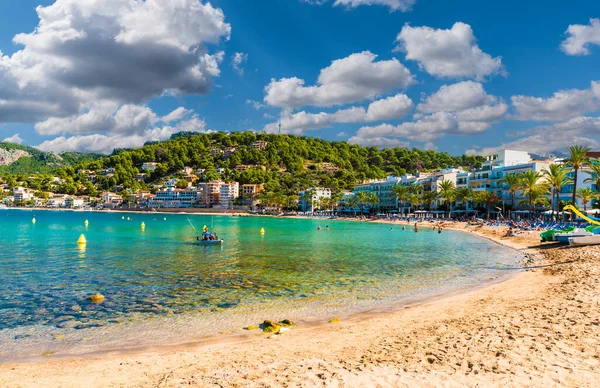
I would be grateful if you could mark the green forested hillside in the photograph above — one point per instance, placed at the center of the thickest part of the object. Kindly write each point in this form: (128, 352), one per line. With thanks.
(291, 163)
(40, 162)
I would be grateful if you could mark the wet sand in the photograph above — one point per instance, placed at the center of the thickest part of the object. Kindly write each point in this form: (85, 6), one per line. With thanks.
(540, 327)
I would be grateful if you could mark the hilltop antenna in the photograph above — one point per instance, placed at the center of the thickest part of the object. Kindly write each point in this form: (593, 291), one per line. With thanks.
(279, 126)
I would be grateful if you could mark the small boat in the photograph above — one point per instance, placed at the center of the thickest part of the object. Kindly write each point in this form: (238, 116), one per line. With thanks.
(210, 242)
(563, 238)
(586, 240)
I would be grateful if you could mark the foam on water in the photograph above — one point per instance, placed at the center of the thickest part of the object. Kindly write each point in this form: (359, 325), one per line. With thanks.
(161, 288)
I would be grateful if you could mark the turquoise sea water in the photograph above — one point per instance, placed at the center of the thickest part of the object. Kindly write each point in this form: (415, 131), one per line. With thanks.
(161, 287)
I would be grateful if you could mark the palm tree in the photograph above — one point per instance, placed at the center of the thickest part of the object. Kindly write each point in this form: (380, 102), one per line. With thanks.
(352, 202)
(577, 159)
(308, 196)
(448, 193)
(429, 197)
(536, 197)
(414, 200)
(531, 188)
(324, 203)
(513, 183)
(279, 200)
(594, 173)
(586, 195)
(372, 200)
(464, 194)
(291, 202)
(337, 200)
(487, 198)
(362, 198)
(415, 188)
(556, 177)
(401, 193)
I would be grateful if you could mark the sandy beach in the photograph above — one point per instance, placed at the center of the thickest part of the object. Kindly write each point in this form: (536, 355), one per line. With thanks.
(540, 327)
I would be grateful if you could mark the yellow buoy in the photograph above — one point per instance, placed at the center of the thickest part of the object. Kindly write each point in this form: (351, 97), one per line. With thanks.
(33, 220)
(122, 217)
(165, 218)
(262, 230)
(128, 219)
(82, 240)
(86, 223)
(143, 225)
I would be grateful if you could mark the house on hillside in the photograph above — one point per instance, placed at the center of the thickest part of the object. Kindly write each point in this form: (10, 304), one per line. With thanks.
(251, 191)
(259, 145)
(111, 200)
(57, 201)
(149, 166)
(22, 194)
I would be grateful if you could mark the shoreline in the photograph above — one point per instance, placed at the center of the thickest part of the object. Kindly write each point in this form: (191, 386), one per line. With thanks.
(299, 312)
(337, 350)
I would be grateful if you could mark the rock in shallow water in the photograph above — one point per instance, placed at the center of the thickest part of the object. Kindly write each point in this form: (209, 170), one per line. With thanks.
(98, 298)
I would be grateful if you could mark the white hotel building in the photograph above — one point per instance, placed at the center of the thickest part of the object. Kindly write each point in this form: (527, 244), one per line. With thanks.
(307, 205)
(228, 192)
(485, 178)
(206, 194)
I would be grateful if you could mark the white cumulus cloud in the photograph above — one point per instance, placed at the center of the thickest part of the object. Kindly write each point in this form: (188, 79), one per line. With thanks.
(459, 109)
(380, 142)
(15, 139)
(448, 53)
(354, 78)
(86, 56)
(581, 130)
(393, 107)
(459, 96)
(561, 106)
(101, 143)
(581, 37)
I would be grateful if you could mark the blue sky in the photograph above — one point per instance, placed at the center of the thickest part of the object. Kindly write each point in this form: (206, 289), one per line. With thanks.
(460, 76)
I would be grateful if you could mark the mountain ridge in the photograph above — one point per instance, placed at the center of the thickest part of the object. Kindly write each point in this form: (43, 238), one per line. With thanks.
(22, 159)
